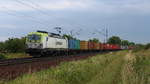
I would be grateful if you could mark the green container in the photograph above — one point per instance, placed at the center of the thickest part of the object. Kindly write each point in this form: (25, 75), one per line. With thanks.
(77, 44)
(74, 44)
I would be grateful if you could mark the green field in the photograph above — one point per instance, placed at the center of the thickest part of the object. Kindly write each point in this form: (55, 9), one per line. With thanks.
(124, 67)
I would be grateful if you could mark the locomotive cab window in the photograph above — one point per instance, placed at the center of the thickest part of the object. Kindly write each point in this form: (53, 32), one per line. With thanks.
(46, 38)
(34, 37)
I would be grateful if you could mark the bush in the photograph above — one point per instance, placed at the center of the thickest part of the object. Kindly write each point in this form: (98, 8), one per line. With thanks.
(139, 47)
(147, 46)
(13, 45)
(2, 56)
(2, 46)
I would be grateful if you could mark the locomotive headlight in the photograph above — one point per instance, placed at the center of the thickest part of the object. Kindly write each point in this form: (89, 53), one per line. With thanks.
(29, 45)
(40, 45)
(35, 45)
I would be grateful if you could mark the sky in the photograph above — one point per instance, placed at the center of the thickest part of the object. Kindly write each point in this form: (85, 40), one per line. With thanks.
(129, 19)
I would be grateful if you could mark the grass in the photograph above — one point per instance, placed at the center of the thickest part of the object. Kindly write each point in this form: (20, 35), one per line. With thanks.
(14, 55)
(113, 68)
(142, 66)
(137, 68)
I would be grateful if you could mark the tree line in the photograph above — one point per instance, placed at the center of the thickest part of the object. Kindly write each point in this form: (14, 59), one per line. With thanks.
(119, 41)
(13, 45)
(137, 47)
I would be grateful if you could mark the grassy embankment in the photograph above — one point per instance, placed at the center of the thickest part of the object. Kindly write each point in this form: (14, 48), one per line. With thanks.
(13, 55)
(114, 68)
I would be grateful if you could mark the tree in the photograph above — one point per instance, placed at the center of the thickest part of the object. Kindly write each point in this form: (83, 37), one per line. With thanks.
(147, 46)
(125, 42)
(68, 36)
(114, 40)
(2, 46)
(139, 47)
(131, 44)
(15, 45)
(94, 40)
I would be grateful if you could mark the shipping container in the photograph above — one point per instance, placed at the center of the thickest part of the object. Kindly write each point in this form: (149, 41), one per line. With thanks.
(118, 47)
(100, 46)
(114, 47)
(106, 46)
(84, 45)
(74, 44)
(111, 47)
(77, 46)
(96, 46)
(103, 46)
(91, 45)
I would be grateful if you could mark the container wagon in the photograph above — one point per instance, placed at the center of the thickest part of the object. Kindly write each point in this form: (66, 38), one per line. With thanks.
(84, 45)
(96, 46)
(74, 44)
(91, 46)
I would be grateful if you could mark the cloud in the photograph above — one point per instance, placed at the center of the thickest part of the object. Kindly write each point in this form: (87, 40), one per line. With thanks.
(30, 5)
(7, 26)
(3, 38)
(143, 7)
(102, 6)
(123, 6)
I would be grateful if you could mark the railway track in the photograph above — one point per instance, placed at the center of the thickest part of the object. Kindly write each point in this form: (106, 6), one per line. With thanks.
(6, 62)
(15, 61)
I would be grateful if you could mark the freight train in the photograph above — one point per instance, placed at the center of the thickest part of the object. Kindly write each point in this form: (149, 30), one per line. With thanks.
(42, 43)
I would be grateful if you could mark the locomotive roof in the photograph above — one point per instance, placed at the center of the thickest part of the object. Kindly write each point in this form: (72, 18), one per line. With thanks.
(38, 33)
(46, 34)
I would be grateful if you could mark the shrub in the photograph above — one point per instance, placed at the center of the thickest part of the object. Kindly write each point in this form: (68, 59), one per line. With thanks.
(147, 46)
(2, 56)
(14, 45)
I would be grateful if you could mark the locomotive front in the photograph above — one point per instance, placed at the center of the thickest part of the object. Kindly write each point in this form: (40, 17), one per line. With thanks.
(35, 42)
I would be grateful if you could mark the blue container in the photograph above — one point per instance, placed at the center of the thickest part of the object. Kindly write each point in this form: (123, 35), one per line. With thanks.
(74, 44)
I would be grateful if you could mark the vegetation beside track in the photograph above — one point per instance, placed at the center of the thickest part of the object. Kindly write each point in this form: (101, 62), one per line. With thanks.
(123, 67)
(13, 55)
(13, 48)
(16, 55)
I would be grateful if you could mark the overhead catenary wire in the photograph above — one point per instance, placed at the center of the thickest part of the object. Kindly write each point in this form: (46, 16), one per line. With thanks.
(22, 14)
(37, 7)
(35, 4)
(33, 7)
(35, 21)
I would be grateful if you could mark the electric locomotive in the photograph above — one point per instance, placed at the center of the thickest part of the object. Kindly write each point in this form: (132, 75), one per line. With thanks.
(42, 43)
